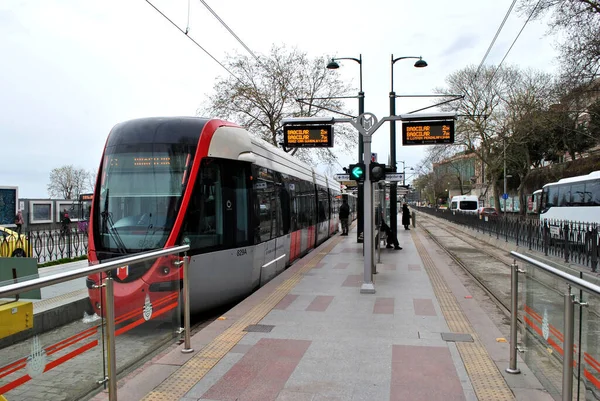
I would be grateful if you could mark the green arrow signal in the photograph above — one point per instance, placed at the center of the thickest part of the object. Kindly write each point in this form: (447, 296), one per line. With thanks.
(357, 171)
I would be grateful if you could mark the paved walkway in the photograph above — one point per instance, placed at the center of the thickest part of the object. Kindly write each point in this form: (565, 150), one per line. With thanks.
(310, 335)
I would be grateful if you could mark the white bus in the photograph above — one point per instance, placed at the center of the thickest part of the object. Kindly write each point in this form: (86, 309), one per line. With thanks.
(575, 199)
(464, 203)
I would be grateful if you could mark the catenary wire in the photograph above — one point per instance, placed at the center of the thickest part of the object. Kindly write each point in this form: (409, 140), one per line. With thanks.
(196, 43)
(229, 29)
(513, 43)
(459, 104)
(495, 37)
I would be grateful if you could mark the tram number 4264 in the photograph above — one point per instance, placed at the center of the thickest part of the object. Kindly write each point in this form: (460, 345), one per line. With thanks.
(241, 252)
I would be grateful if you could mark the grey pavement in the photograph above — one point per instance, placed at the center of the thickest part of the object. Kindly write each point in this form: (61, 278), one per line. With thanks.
(329, 342)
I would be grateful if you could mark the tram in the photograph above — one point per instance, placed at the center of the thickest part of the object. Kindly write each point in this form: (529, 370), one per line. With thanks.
(246, 208)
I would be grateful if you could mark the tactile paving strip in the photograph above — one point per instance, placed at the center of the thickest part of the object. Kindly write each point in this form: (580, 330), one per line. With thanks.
(487, 381)
(186, 377)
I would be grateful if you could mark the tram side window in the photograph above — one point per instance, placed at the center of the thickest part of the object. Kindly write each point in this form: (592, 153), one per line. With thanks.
(292, 186)
(203, 224)
(266, 202)
(323, 212)
(284, 201)
(238, 180)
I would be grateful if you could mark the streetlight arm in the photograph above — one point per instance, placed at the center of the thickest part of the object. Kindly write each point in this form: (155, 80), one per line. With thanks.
(402, 58)
(347, 58)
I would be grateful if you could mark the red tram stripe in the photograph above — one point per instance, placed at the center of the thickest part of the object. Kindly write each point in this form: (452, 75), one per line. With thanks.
(24, 379)
(202, 151)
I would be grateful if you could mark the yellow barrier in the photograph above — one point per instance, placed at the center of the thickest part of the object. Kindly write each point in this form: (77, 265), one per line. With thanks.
(15, 317)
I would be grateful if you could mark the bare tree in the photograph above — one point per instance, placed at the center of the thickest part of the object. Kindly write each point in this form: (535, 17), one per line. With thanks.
(265, 91)
(91, 182)
(480, 111)
(67, 182)
(578, 22)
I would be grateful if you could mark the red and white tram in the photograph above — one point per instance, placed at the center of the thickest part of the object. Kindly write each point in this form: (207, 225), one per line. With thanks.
(247, 210)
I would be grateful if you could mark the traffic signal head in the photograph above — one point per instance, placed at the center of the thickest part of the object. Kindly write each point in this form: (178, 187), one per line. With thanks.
(357, 172)
(376, 172)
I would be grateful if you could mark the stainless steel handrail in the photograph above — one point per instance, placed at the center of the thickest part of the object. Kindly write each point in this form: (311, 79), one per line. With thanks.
(58, 278)
(573, 280)
(33, 284)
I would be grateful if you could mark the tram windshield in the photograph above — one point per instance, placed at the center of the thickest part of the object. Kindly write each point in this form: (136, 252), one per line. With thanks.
(139, 195)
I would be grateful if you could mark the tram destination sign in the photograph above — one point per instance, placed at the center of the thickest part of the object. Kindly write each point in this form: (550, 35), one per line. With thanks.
(428, 132)
(308, 136)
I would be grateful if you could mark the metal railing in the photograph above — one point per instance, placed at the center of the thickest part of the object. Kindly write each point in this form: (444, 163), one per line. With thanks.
(573, 242)
(563, 283)
(46, 245)
(10, 290)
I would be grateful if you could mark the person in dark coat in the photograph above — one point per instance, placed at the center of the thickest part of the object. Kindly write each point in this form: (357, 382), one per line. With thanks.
(344, 215)
(405, 216)
(392, 240)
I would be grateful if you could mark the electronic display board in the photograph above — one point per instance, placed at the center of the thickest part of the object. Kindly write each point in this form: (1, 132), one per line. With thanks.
(313, 136)
(428, 132)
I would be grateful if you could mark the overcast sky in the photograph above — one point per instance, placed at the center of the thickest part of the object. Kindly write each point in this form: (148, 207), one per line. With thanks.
(72, 69)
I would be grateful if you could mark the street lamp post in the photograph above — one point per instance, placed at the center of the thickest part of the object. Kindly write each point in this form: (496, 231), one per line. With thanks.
(333, 65)
(394, 188)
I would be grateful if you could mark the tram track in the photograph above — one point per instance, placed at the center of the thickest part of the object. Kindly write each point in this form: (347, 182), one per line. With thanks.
(498, 297)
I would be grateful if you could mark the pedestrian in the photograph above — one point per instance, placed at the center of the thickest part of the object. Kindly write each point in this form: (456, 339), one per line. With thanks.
(392, 240)
(405, 216)
(65, 222)
(19, 221)
(344, 215)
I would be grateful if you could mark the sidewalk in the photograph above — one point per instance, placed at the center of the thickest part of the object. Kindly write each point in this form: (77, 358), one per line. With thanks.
(310, 335)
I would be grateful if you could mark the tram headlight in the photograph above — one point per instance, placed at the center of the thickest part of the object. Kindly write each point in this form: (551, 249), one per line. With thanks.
(165, 270)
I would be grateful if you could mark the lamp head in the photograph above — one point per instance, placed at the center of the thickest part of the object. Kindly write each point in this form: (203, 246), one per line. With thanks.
(333, 65)
(420, 63)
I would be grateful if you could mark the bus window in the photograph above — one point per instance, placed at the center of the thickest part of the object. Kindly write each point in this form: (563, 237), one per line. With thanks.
(578, 194)
(592, 190)
(552, 198)
(564, 195)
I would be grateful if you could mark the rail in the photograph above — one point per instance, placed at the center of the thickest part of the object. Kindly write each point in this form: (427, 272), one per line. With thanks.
(9, 290)
(540, 292)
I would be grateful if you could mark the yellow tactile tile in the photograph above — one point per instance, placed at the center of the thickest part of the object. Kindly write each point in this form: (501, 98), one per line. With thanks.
(487, 381)
(186, 377)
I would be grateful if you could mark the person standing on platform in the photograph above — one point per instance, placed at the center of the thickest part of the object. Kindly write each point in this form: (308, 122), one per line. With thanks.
(405, 216)
(344, 215)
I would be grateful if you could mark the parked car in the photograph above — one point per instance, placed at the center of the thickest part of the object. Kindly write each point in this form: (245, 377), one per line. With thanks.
(487, 211)
(12, 244)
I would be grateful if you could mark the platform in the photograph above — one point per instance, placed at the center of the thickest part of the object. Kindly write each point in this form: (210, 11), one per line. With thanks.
(310, 334)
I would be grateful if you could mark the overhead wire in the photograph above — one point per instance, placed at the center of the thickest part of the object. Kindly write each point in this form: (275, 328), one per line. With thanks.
(214, 13)
(492, 43)
(229, 29)
(495, 37)
(196, 43)
(513, 43)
